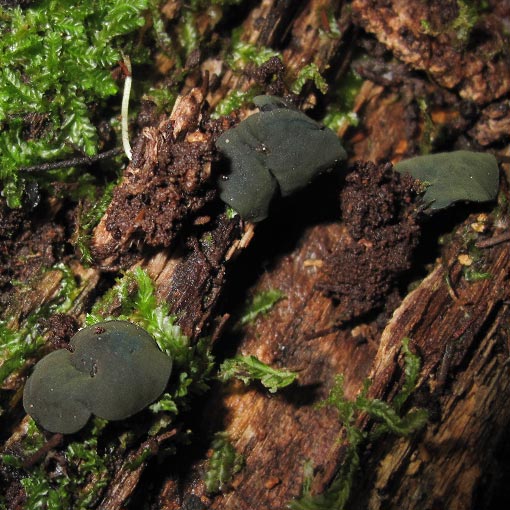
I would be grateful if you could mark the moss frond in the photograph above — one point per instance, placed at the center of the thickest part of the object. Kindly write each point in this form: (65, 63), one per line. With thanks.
(56, 59)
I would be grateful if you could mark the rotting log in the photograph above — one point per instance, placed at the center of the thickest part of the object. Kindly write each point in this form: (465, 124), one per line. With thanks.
(462, 339)
(458, 329)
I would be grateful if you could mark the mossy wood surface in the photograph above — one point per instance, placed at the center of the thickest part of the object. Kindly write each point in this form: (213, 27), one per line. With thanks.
(456, 316)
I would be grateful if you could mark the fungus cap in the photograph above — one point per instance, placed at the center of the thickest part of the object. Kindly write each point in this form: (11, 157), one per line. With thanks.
(248, 188)
(55, 394)
(275, 151)
(114, 370)
(453, 177)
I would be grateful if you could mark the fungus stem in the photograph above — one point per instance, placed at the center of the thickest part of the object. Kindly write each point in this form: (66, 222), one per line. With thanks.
(125, 108)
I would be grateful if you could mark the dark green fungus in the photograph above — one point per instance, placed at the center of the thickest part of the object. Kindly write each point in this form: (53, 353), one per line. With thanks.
(451, 177)
(113, 370)
(268, 103)
(276, 151)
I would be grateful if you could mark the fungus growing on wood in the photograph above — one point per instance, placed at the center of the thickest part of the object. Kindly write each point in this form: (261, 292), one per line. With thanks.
(451, 177)
(276, 151)
(113, 370)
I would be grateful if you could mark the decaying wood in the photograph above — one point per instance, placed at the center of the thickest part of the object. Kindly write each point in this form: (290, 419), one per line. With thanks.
(192, 282)
(425, 36)
(464, 347)
(465, 354)
(457, 327)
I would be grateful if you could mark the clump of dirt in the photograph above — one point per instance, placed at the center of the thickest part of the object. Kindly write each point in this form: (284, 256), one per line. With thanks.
(378, 211)
(270, 76)
(61, 327)
(166, 187)
(168, 193)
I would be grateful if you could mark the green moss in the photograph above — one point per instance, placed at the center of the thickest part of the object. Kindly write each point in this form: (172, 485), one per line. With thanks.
(472, 275)
(339, 112)
(224, 463)
(155, 317)
(164, 98)
(412, 366)
(249, 368)
(338, 493)
(461, 27)
(476, 270)
(333, 31)
(242, 54)
(430, 131)
(56, 58)
(16, 345)
(163, 39)
(261, 304)
(166, 403)
(88, 218)
(234, 100)
(309, 72)
(465, 21)
(306, 488)
(189, 35)
(389, 418)
(336, 119)
(191, 22)
(136, 463)
(136, 297)
(425, 25)
(230, 213)
(78, 486)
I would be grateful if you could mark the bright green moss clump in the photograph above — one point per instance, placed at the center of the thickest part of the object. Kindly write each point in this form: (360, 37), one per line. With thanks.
(56, 59)
(79, 487)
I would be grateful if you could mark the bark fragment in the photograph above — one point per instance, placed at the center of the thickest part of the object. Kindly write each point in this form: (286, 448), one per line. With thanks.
(428, 37)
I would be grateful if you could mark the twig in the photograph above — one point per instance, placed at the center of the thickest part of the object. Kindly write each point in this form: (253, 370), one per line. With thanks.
(52, 442)
(487, 243)
(66, 163)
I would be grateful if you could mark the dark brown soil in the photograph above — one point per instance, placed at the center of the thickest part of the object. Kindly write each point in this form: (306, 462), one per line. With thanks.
(152, 204)
(61, 328)
(378, 211)
(29, 242)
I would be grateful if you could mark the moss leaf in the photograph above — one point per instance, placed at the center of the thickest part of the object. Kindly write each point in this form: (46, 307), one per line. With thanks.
(250, 368)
